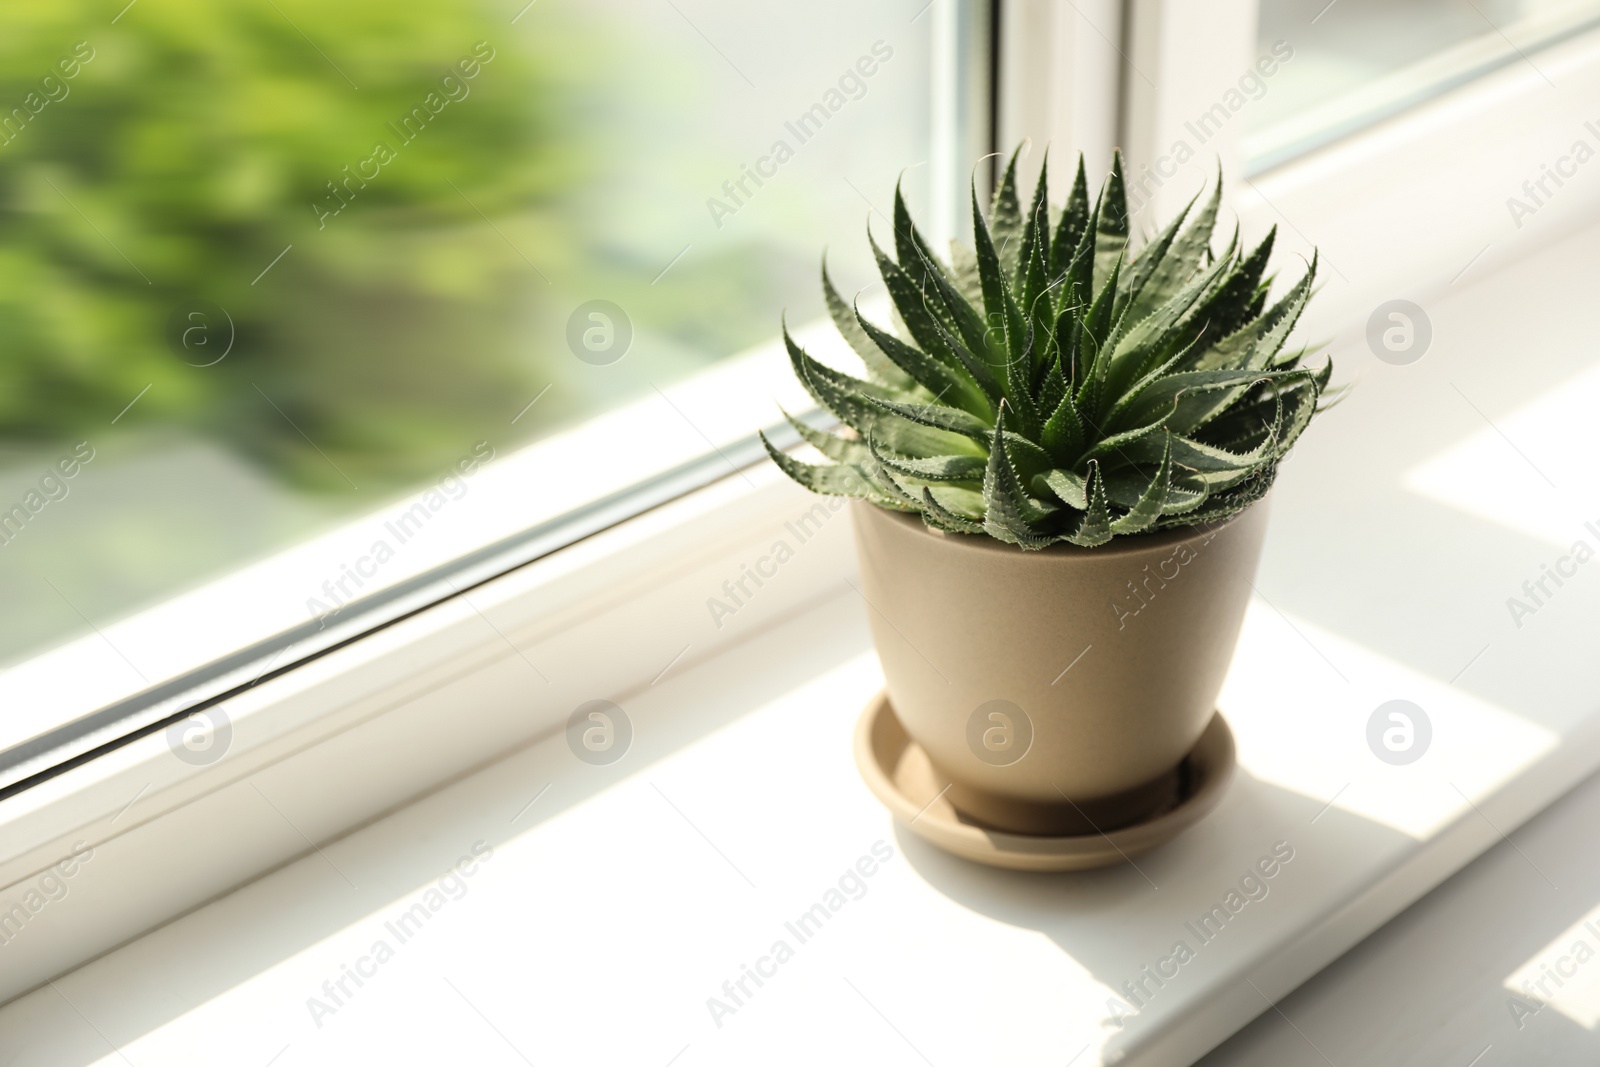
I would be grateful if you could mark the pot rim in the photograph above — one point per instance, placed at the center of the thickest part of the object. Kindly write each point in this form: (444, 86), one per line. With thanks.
(1124, 544)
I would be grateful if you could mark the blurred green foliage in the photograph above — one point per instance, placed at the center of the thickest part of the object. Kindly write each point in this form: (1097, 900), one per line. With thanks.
(188, 151)
(187, 154)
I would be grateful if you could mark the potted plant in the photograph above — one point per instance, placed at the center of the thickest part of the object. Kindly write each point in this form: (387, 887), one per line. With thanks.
(1059, 453)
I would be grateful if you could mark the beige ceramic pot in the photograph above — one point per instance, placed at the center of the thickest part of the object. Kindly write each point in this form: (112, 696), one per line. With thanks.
(1056, 691)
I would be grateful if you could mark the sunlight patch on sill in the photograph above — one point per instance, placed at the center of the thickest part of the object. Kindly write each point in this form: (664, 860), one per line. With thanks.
(1563, 975)
(1311, 737)
(1521, 472)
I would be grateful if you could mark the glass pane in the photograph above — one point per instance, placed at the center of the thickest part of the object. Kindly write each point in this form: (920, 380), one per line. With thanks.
(268, 263)
(1355, 62)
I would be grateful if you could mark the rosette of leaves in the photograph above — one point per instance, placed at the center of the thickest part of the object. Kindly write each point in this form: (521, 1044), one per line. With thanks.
(1049, 385)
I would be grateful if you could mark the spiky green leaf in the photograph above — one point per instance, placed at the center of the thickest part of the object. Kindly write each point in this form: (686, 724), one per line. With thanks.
(879, 367)
(1111, 224)
(836, 447)
(1095, 526)
(835, 480)
(1072, 226)
(1147, 511)
(1054, 385)
(1005, 213)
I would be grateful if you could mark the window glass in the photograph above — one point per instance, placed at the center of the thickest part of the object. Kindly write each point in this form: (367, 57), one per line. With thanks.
(266, 264)
(1355, 62)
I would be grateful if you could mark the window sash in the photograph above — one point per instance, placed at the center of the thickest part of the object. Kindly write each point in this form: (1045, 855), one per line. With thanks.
(87, 698)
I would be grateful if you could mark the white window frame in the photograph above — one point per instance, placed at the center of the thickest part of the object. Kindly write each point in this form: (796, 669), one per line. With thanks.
(73, 701)
(534, 487)
(366, 714)
(374, 723)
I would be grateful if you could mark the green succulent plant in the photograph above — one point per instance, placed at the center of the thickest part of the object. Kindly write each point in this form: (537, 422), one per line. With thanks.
(1049, 385)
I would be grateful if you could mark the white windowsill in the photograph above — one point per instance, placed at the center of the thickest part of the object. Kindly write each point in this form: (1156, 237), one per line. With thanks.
(1458, 959)
(631, 893)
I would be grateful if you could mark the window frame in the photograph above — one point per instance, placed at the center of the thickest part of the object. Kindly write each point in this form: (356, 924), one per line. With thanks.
(718, 407)
(376, 721)
(119, 681)
(588, 564)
